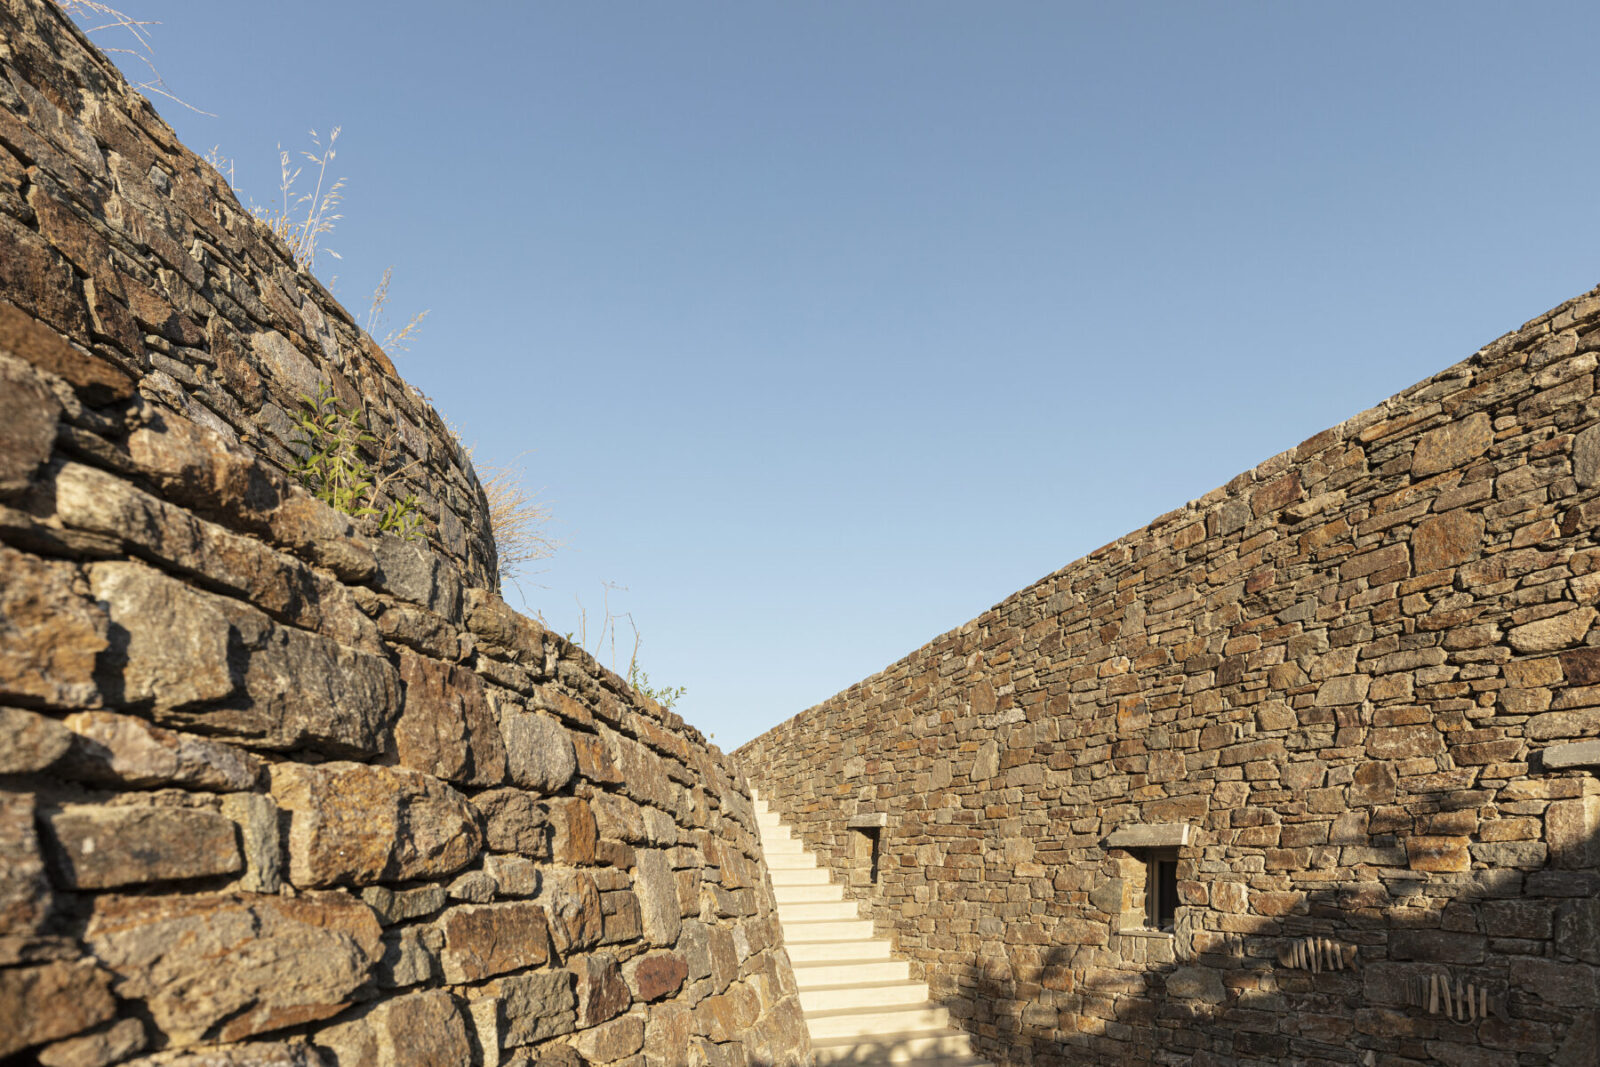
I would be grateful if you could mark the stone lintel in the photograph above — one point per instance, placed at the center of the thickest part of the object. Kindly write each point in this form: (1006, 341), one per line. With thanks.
(872, 818)
(1572, 754)
(1150, 835)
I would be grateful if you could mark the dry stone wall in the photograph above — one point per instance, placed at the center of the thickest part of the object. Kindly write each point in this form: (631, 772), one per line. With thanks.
(120, 237)
(1355, 693)
(274, 791)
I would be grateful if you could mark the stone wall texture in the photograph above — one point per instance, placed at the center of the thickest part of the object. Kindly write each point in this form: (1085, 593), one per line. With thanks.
(1357, 690)
(275, 791)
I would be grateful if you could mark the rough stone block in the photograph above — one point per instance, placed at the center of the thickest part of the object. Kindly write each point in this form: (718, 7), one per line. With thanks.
(50, 1002)
(445, 727)
(50, 638)
(1452, 445)
(572, 903)
(657, 891)
(30, 742)
(573, 830)
(104, 847)
(97, 1049)
(1446, 540)
(539, 754)
(1556, 632)
(655, 975)
(427, 1029)
(356, 824)
(613, 1040)
(602, 993)
(122, 750)
(484, 940)
(28, 416)
(229, 966)
(1570, 755)
(1572, 832)
(514, 822)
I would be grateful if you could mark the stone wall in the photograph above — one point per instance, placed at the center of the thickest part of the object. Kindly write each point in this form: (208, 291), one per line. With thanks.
(274, 791)
(124, 240)
(1354, 691)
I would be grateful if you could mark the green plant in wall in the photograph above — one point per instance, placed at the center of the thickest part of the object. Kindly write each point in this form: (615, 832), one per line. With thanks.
(334, 468)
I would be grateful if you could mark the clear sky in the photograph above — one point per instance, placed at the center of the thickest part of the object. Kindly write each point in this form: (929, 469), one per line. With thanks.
(822, 327)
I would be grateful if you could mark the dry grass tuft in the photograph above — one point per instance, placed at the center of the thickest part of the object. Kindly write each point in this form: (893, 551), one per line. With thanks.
(396, 340)
(518, 520)
(95, 16)
(302, 234)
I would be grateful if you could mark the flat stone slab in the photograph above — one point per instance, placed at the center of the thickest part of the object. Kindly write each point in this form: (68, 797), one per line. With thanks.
(1150, 835)
(1572, 754)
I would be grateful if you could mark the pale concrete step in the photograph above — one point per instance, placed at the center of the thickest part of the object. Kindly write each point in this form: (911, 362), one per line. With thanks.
(871, 948)
(869, 1021)
(783, 862)
(830, 972)
(860, 1004)
(947, 1049)
(818, 911)
(858, 992)
(806, 894)
(841, 930)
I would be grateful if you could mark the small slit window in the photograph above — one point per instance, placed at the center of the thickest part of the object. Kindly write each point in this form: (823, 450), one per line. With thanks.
(866, 848)
(1161, 888)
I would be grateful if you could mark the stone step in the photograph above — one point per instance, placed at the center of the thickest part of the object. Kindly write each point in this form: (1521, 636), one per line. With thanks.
(948, 1049)
(928, 1019)
(806, 894)
(830, 930)
(847, 951)
(818, 911)
(860, 1004)
(841, 971)
(864, 993)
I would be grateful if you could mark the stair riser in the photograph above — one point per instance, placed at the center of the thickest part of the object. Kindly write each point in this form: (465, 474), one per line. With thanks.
(891, 1049)
(821, 952)
(820, 911)
(816, 974)
(888, 997)
(799, 876)
(902, 1021)
(806, 894)
(800, 933)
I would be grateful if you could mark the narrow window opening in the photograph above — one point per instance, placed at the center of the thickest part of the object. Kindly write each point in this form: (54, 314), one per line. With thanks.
(868, 849)
(1161, 888)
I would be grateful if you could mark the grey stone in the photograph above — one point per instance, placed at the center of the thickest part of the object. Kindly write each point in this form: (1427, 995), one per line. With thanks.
(537, 1006)
(515, 876)
(25, 897)
(104, 847)
(657, 891)
(412, 572)
(29, 741)
(476, 887)
(410, 956)
(1152, 835)
(398, 905)
(1196, 983)
(1572, 754)
(1586, 457)
(539, 754)
(123, 750)
(98, 1049)
(257, 819)
(227, 967)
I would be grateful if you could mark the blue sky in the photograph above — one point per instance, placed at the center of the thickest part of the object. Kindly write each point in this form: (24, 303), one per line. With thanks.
(822, 327)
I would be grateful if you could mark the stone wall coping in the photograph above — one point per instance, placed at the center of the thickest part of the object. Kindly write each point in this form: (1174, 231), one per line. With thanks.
(1150, 835)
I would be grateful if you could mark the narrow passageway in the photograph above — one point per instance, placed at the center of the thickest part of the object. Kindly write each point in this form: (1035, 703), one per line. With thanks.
(861, 1004)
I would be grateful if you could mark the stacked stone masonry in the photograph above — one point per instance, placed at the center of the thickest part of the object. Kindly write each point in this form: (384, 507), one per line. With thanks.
(1355, 693)
(274, 791)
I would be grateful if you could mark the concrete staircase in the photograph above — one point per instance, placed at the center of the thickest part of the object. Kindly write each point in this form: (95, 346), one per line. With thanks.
(860, 1004)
